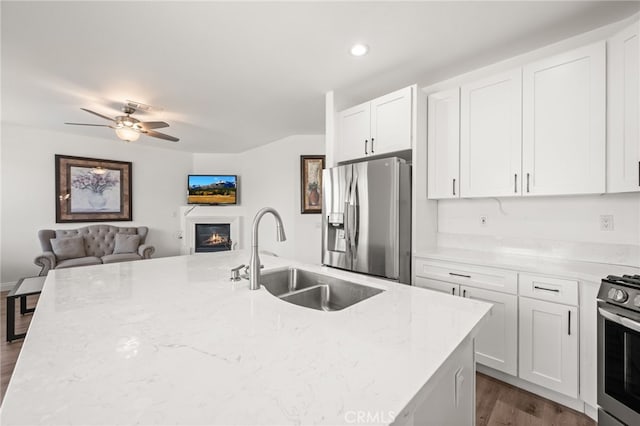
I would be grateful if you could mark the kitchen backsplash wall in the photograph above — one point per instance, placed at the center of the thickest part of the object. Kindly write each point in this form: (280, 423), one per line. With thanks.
(562, 227)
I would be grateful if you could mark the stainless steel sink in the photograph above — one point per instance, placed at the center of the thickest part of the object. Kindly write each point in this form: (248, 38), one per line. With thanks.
(315, 291)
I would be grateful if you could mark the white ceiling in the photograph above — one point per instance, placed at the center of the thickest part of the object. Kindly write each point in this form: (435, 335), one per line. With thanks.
(234, 75)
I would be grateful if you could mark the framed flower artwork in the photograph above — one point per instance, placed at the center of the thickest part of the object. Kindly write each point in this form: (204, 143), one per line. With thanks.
(311, 167)
(92, 190)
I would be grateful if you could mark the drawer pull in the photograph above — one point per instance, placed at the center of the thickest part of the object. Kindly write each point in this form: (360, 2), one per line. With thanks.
(453, 291)
(459, 275)
(569, 327)
(555, 290)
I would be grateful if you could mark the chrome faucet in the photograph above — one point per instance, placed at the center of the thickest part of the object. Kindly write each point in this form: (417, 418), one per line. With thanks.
(254, 263)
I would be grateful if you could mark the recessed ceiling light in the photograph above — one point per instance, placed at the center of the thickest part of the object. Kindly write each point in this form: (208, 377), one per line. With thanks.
(359, 49)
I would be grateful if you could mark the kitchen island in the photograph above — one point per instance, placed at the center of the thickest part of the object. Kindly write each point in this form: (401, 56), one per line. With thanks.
(174, 341)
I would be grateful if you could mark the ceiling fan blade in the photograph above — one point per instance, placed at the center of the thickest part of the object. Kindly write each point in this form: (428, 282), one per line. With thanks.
(160, 135)
(85, 124)
(148, 125)
(98, 114)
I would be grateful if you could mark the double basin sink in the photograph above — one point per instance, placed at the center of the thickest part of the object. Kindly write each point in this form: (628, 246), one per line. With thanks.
(315, 291)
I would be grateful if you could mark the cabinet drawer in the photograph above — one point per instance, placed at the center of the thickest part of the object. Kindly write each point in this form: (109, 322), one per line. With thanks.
(443, 287)
(557, 290)
(495, 279)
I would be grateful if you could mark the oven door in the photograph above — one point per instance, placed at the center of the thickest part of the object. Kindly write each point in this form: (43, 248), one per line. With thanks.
(619, 362)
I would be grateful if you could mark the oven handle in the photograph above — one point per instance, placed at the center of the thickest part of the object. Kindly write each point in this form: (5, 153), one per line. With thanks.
(626, 322)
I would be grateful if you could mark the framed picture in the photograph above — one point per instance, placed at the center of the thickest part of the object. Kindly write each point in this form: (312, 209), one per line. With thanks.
(311, 183)
(92, 190)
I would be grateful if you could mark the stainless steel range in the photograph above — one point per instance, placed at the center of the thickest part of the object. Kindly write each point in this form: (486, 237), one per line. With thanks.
(619, 351)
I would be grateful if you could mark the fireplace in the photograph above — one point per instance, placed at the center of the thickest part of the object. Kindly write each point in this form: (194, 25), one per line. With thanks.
(212, 237)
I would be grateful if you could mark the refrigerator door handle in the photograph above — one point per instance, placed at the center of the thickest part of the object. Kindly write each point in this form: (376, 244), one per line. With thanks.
(356, 214)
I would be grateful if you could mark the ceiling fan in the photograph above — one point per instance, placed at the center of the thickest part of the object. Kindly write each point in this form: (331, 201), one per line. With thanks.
(128, 128)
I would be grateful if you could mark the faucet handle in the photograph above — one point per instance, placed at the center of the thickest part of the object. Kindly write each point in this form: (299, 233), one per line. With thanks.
(246, 271)
(235, 273)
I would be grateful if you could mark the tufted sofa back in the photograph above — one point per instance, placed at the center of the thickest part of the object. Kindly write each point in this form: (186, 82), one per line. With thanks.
(99, 240)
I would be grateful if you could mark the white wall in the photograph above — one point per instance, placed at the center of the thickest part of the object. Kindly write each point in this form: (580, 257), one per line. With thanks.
(28, 191)
(270, 176)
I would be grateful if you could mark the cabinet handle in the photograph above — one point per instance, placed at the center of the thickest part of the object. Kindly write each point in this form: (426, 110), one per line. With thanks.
(365, 147)
(459, 275)
(464, 293)
(453, 291)
(555, 290)
(454, 186)
(515, 183)
(372, 139)
(569, 327)
(528, 182)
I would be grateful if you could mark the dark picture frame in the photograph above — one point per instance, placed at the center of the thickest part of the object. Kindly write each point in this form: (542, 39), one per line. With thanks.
(92, 190)
(311, 167)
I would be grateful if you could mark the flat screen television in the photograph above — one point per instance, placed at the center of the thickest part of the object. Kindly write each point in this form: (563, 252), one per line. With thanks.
(213, 190)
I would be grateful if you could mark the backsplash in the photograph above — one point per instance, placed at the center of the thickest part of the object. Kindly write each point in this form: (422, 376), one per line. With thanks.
(618, 254)
(566, 227)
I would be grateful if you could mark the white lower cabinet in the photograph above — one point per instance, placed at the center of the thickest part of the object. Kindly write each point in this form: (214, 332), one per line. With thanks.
(549, 345)
(451, 400)
(497, 342)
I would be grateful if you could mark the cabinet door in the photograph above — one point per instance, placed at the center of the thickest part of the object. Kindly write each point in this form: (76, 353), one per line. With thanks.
(391, 122)
(564, 123)
(549, 345)
(354, 132)
(441, 286)
(623, 113)
(491, 136)
(497, 342)
(443, 144)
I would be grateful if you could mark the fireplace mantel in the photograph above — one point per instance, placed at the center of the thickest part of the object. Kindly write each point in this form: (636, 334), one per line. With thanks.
(190, 216)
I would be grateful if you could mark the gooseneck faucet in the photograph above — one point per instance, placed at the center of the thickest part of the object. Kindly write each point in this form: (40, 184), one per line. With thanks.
(254, 263)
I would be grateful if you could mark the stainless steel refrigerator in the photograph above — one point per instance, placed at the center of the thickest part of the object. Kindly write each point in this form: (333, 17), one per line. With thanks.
(367, 218)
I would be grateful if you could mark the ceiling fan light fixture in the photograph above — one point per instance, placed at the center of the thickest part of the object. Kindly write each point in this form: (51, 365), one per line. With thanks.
(127, 134)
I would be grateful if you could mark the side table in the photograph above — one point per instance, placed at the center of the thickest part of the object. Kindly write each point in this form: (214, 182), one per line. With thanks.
(25, 287)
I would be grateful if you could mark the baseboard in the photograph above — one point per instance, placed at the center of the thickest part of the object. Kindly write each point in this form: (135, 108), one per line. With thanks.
(574, 404)
(7, 286)
(591, 412)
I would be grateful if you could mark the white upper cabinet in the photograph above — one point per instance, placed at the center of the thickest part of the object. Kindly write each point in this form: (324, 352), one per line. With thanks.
(380, 126)
(391, 122)
(564, 123)
(623, 159)
(491, 136)
(354, 131)
(443, 144)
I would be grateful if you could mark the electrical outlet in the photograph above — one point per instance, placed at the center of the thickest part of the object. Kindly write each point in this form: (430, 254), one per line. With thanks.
(483, 221)
(606, 222)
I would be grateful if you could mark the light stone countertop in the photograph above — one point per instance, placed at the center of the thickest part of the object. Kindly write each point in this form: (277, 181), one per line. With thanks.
(590, 272)
(173, 341)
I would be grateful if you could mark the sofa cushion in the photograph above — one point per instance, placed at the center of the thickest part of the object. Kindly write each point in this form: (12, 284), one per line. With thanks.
(122, 257)
(80, 261)
(126, 243)
(68, 248)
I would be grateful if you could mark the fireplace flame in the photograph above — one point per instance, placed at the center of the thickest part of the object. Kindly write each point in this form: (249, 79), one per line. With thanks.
(215, 239)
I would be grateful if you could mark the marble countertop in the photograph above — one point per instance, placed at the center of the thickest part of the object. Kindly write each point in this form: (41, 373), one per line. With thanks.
(173, 341)
(590, 272)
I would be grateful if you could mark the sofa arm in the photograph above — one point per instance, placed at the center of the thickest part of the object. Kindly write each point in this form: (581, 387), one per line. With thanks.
(46, 261)
(145, 251)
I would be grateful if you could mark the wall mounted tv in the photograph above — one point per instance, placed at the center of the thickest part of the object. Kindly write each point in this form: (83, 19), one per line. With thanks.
(213, 190)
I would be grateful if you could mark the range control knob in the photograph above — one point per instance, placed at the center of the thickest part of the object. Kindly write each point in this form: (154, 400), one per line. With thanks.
(636, 301)
(621, 296)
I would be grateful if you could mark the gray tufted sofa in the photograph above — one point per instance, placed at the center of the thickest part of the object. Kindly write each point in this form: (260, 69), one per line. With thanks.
(99, 243)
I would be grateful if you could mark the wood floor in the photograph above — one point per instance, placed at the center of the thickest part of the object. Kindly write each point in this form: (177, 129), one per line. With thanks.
(497, 403)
